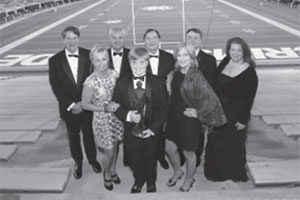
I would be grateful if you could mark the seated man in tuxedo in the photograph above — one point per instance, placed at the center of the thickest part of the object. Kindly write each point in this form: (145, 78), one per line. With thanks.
(161, 63)
(141, 148)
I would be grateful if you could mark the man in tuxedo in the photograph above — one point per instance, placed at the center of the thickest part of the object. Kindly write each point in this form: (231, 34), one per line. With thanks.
(68, 70)
(118, 54)
(207, 65)
(161, 64)
(141, 149)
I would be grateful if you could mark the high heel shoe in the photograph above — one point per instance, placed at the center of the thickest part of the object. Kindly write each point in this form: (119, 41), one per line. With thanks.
(108, 183)
(172, 182)
(186, 190)
(115, 179)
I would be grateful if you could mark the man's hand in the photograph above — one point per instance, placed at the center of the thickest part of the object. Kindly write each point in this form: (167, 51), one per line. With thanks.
(239, 126)
(134, 116)
(77, 108)
(147, 133)
(190, 112)
(112, 107)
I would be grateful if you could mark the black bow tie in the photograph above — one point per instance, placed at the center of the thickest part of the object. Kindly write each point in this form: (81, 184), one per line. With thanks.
(153, 56)
(142, 78)
(116, 53)
(73, 55)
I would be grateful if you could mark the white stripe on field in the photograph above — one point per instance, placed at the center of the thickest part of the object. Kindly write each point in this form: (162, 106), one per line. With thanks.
(46, 28)
(262, 18)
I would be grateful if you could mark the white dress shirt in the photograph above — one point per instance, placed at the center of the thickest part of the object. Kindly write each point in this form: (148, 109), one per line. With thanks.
(117, 60)
(135, 86)
(154, 63)
(73, 63)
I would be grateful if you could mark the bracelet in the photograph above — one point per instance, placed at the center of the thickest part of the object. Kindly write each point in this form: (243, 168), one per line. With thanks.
(105, 108)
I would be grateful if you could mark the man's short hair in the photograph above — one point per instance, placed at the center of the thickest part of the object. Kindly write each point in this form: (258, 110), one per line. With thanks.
(195, 30)
(138, 53)
(151, 30)
(72, 29)
(116, 29)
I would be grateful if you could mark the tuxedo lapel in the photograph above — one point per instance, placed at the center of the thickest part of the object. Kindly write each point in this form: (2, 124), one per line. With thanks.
(67, 68)
(81, 65)
(160, 64)
(111, 64)
(130, 91)
(148, 97)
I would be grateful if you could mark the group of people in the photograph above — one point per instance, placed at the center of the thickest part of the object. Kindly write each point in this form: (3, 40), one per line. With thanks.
(158, 104)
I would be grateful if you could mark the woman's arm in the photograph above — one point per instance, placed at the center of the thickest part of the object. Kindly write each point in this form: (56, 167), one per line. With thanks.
(87, 95)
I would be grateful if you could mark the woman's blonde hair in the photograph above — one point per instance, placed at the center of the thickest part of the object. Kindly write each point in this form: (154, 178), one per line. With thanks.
(191, 52)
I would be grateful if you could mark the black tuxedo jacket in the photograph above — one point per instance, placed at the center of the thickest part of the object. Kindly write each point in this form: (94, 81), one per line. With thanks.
(125, 67)
(166, 64)
(156, 106)
(62, 81)
(208, 66)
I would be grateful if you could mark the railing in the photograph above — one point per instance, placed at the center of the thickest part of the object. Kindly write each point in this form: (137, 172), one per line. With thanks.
(12, 14)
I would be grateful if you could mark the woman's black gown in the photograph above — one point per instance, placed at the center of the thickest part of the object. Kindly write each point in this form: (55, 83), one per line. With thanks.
(225, 156)
(182, 130)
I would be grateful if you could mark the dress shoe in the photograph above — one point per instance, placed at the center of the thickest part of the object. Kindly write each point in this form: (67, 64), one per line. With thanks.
(115, 179)
(188, 189)
(77, 172)
(151, 188)
(172, 181)
(108, 183)
(164, 164)
(96, 167)
(136, 189)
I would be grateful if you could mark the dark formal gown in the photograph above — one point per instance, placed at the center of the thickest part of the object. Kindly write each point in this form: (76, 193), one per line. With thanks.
(225, 156)
(182, 130)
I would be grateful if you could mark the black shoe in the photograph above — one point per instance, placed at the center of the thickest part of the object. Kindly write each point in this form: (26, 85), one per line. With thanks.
(96, 167)
(172, 181)
(108, 183)
(77, 172)
(188, 189)
(164, 164)
(136, 189)
(115, 179)
(151, 188)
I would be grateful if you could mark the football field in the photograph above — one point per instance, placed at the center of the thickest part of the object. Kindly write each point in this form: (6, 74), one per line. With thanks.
(272, 31)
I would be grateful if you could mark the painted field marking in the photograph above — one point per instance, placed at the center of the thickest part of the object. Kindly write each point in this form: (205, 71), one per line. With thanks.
(262, 18)
(46, 28)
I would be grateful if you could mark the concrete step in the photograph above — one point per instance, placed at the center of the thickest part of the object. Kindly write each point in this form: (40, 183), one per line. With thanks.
(33, 179)
(19, 136)
(291, 130)
(7, 151)
(284, 172)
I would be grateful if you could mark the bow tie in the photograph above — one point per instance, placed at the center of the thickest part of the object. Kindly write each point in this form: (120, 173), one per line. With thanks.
(116, 53)
(142, 78)
(153, 56)
(73, 55)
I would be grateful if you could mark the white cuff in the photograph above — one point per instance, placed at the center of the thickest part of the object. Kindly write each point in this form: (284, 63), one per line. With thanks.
(128, 117)
(71, 106)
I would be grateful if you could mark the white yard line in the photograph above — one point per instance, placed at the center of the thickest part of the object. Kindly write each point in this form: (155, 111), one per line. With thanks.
(46, 28)
(262, 18)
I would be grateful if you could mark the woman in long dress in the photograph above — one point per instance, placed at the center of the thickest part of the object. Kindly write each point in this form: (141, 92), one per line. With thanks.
(192, 102)
(236, 85)
(96, 97)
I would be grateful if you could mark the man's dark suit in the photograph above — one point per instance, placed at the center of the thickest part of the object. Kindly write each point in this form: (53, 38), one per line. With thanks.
(207, 65)
(141, 153)
(166, 64)
(68, 91)
(125, 67)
